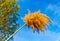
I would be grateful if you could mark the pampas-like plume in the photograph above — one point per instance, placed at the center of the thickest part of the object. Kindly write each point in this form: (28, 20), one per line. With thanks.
(37, 21)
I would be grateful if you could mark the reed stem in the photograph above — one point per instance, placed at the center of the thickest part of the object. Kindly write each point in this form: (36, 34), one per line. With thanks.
(14, 33)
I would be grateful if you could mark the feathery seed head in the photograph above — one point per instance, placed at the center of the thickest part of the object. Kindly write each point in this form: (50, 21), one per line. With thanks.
(37, 21)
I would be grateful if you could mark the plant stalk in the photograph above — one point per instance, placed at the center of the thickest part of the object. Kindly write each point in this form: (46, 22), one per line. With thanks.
(14, 33)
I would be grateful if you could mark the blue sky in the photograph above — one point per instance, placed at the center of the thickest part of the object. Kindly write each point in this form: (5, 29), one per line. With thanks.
(49, 7)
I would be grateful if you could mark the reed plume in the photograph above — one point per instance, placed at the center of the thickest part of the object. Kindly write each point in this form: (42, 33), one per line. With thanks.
(37, 21)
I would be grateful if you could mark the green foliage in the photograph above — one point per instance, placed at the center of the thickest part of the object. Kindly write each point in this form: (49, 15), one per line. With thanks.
(8, 16)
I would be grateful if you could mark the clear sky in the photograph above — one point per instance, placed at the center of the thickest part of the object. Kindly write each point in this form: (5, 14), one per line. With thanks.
(49, 7)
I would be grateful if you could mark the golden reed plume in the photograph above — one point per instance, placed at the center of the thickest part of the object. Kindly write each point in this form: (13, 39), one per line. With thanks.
(37, 21)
